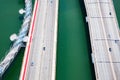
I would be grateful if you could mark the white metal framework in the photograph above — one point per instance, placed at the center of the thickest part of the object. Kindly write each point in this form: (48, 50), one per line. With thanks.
(5, 63)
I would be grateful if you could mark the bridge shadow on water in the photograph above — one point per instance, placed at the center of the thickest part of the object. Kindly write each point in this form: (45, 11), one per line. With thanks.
(82, 6)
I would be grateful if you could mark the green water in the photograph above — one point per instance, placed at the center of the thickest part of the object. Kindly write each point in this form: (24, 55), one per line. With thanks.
(73, 52)
(9, 24)
(117, 8)
(73, 55)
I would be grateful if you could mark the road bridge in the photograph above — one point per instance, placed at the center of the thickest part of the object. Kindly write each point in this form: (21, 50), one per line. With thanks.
(105, 38)
(39, 61)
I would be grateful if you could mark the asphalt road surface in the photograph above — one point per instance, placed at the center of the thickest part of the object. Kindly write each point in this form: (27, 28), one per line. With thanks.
(40, 56)
(105, 38)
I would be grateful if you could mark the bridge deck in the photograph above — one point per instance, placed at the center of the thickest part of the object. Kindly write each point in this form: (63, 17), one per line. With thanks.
(105, 38)
(40, 55)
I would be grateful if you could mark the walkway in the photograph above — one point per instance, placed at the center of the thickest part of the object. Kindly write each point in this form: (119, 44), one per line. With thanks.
(105, 38)
(40, 55)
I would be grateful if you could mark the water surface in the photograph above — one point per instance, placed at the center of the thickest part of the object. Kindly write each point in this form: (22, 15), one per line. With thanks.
(73, 52)
(9, 24)
(73, 55)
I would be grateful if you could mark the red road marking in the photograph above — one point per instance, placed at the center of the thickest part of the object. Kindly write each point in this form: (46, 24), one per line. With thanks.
(31, 35)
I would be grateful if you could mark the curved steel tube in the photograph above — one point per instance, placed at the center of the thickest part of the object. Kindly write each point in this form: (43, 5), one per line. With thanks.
(5, 63)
